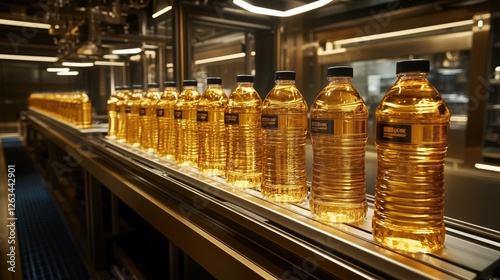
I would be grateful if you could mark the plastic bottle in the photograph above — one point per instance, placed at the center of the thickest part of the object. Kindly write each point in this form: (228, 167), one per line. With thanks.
(339, 120)
(412, 138)
(186, 128)
(112, 115)
(211, 128)
(165, 116)
(132, 111)
(244, 135)
(284, 129)
(147, 116)
(121, 115)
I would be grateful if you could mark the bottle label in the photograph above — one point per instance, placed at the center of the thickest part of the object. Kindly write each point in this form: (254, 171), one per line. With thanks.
(269, 122)
(321, 126)
(178, 114)
(117, 109)
(202, 116)
(127, 110)
(412, 134)
(160, 112)
(142, 111)
(231, 118)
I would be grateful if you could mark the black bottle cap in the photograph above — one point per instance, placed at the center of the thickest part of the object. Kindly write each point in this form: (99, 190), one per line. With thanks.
(189, 83)
(153, 85)
(340, 71)
(284, 75)
(137, 86)
(214, 81)
(244, 79)
(118, 88)
(414, 65)
(169, 84)
(126, 87)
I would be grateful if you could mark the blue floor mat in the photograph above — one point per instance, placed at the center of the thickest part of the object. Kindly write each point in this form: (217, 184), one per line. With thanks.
(47, 249)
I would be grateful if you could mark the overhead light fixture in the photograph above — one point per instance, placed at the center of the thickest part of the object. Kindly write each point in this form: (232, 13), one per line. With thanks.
(69, 73)
(162, 11)
(110, 56)
(405, 32)
(487, 167)
(29, 58)
(220, 58)
(77, 64)
(24, 23)
(109, 63)
(127, 51)
(170, 65)
(277, 13)
(57, 69)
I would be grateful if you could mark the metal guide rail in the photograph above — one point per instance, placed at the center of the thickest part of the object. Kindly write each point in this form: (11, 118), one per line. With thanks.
(279, 236)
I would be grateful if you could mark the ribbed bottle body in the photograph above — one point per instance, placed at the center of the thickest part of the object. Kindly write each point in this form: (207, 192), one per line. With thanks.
(112, 114)
(284, 129)
(339, 133)
(412, 139)
(244, 138)
(186, 127)
(149, 123)
(166, 126)
(121, 115)
(212, 131)
(133, 119)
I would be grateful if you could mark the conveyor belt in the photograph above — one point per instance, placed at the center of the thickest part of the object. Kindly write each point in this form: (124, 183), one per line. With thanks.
(47, 248)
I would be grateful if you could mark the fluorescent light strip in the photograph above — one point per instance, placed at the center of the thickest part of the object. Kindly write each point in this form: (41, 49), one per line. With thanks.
(403, 32)
(57, 69)
(127, 51)
(162, 11)
(29, 58)
(78, 64)
(220, 58)
(487, 167)
(277, 13)
(24, 23)
(70, 73)
(109, 63)
(110, 56)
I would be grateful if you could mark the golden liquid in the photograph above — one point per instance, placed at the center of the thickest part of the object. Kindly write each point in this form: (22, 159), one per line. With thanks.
(284, 153)
(186, 128)
(338, 189)
(133, 120)
(166, 127)
(86, 111)
(409, 194)
(244, 138)
(149, 123)
(121, 115)
(112, 115)
(212, 132)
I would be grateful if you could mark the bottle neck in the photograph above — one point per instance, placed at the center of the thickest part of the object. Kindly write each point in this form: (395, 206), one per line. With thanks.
(412, 75)
(214, 86)
(189, 87)
(245, 84)
(340, 79)
(170, 88)
(284, 82)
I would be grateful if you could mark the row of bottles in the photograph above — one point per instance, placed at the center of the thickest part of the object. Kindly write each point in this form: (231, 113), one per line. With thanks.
(261, 144)
(72, 107)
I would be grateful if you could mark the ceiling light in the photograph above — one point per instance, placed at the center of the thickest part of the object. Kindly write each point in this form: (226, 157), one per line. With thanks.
(110, 56)
(29, 57)
(162, 11)
(220, 58)
(57, 69)
(170, 65)
(109, 63)
(127, 51)
(70, 73)
(78, 64)
(403, 32)
(487, 167)
(24, 23)
(277, 13)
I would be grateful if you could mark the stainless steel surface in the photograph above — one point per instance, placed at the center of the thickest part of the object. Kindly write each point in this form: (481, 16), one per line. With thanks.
(253, 237)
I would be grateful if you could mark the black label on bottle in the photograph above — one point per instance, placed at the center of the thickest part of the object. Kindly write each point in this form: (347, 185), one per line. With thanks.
(142, 111)
(127, 110)
(321, 126)
(231, 118)
(178, 114)
(397, 133)
(202, 116)
(160, 112)
(117, 109)
(269, 121)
